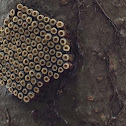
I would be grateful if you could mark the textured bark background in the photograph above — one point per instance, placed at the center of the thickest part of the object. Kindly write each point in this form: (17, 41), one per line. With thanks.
(94, 93)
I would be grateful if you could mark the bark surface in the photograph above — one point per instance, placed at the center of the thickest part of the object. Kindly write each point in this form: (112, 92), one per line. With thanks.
(94, 92)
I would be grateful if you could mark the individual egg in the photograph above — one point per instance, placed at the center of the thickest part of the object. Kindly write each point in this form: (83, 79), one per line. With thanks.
(56, 76)
(60, 24)
(12, 12)
(35, 13)
(46, 79)
(52, 22)
(40, 17)
(19, 6)
(26, 99)
(24, 9)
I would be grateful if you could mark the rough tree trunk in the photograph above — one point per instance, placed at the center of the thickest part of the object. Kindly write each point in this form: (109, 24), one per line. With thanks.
(94, 93)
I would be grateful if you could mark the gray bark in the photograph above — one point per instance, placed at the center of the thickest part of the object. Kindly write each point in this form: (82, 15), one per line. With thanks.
(94, 93)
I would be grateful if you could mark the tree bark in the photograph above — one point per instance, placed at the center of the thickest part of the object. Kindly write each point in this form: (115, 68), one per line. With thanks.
(94, 92)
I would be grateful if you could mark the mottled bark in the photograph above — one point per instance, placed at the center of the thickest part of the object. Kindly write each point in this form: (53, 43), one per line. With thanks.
(94, 92)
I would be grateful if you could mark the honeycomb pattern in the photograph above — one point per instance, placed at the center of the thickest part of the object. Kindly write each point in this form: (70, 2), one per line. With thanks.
(33, 50)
